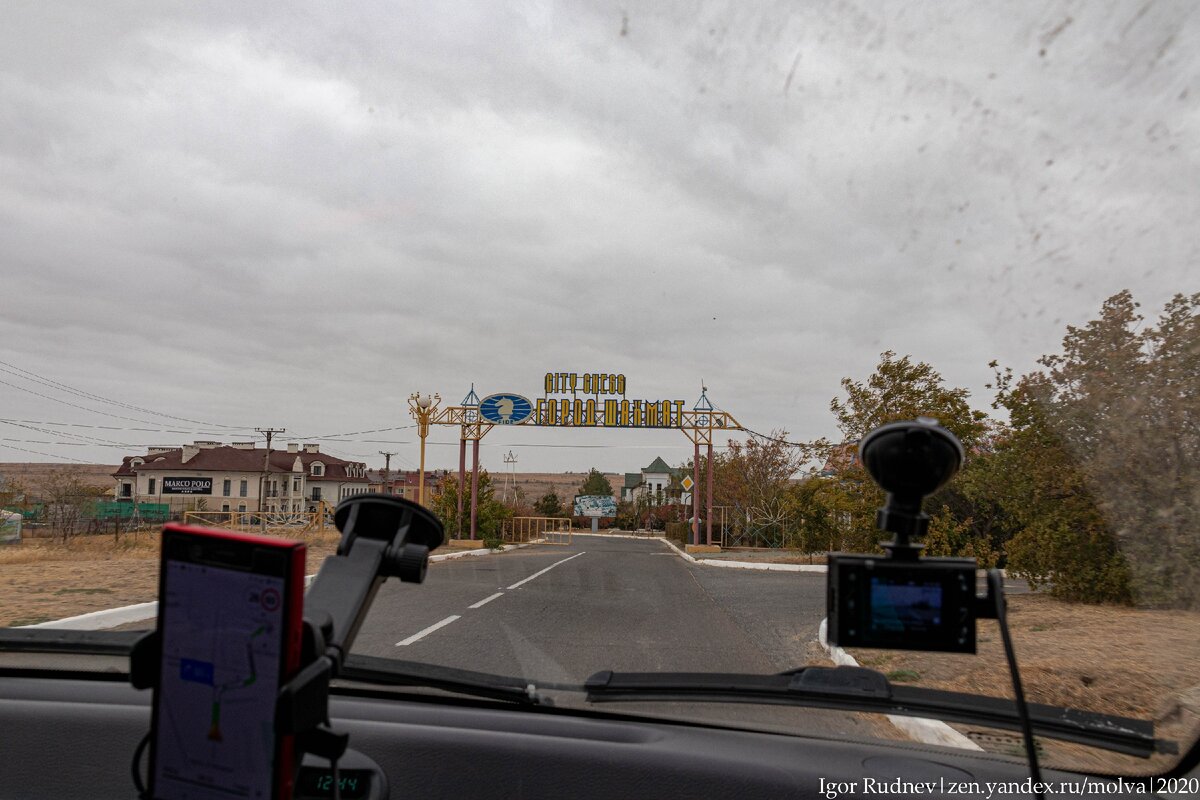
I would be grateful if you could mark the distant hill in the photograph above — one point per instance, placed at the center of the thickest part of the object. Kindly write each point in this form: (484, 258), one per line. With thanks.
(534, 484)
(29, 474)
(563, 484)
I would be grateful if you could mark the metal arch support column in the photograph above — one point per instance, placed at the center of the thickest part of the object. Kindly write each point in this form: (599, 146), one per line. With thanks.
(696, 494)
(474, 486)
(462, 482)
(708, 493)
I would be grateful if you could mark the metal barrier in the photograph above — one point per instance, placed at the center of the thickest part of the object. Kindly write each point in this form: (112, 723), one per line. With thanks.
(547, 530)
(260, 521)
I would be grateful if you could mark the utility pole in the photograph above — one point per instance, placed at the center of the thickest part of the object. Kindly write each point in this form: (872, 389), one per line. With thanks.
(511, 460)
(262, 482)
(387, 469)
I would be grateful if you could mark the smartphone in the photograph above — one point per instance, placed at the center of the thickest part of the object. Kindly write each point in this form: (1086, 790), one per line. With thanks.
(229, 620)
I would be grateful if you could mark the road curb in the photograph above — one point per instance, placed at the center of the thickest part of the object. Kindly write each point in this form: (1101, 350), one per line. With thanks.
(99, 620)
(123, 615)
(714, 562)
(926, 731)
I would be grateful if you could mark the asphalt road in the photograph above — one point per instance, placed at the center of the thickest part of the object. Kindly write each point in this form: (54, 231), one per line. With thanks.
(559, 614)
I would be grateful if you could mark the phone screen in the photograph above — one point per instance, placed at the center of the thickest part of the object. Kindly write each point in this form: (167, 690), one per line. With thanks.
(225, 637)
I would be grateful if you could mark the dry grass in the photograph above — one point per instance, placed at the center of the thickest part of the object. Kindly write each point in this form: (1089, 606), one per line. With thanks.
(42, 580)
(82, 548)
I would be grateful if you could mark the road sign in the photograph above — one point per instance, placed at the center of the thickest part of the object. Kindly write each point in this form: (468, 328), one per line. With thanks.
(687, 483)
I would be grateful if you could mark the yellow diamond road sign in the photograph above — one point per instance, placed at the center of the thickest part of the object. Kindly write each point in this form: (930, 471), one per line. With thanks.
(687, 484)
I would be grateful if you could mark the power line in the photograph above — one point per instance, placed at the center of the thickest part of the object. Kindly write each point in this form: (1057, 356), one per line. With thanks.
(43, 380)
(62, 444)
(356, 433)
(40, 453)
(94, 439)
(72, 405)
(758, 435)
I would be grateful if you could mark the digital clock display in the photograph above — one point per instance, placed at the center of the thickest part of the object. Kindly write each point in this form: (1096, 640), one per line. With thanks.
(355, 784)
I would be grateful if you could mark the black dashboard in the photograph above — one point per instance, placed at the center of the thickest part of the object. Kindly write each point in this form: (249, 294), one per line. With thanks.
(74, 736)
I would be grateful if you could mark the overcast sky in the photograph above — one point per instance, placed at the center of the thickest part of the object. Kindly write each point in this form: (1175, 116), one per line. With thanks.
(294, 215)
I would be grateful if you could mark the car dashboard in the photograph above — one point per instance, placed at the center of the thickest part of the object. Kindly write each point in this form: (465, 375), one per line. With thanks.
(74, 735)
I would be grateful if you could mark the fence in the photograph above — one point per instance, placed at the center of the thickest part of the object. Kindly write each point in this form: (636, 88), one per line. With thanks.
(260, 521)
(148, 512)
(550, 530)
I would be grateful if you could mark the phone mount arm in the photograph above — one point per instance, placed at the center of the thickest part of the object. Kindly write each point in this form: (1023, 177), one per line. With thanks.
(382, 537)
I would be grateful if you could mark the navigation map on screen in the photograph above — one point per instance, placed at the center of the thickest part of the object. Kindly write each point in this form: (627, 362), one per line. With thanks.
(221, 656)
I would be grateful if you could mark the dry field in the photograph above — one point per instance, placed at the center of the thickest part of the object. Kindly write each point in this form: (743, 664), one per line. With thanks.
(30, 474)
(564, 484)
(42, 580)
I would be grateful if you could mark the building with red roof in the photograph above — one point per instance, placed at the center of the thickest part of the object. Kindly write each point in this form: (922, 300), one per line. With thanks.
(239, 477)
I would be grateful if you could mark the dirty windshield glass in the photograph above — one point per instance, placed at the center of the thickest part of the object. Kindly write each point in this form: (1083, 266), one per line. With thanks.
(615, 291)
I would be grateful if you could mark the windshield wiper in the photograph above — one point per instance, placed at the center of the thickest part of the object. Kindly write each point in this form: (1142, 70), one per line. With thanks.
(357, 668)
(61, 640)
(391, 672)
(862, 689)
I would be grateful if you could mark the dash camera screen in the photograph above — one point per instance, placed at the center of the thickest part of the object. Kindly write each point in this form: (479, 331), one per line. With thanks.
(905, 606)
(222, 637)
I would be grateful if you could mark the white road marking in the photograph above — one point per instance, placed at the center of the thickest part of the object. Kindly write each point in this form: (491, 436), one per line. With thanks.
(486, 600)
(544, 571)
(422, 634)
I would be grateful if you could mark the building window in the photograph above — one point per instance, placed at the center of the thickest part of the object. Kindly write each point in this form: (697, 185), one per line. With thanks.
(242, 506)
(316, 493)
(317, 468)
(153, 482)
(225, 506)
(227, 488)
(243, 489)
(295, 484)
(126, 490)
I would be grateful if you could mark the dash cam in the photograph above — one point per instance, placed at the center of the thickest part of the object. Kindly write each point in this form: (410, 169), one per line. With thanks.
(901, 601)
(924, 605)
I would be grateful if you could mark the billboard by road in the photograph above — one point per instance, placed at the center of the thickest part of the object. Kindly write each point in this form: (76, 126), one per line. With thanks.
(595, 505)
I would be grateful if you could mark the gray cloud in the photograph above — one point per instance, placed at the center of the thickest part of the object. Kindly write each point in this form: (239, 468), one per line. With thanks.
(299, 216)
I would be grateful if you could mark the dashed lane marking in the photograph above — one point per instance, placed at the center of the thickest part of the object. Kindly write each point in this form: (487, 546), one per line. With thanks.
(486, 600)
(416, 637)
(544, 571)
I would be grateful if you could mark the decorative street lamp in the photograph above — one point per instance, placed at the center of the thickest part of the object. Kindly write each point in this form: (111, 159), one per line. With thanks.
(422, 407)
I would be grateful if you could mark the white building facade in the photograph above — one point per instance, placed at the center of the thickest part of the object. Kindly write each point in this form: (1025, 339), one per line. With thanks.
(212, 476)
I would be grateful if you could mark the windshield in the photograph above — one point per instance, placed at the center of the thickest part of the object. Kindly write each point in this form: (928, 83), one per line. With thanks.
(615, 291)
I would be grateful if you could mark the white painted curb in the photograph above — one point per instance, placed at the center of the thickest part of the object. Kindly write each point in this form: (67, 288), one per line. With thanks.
(617, 536)
(927, 731)
(717, 562)
(112, 617)
(99, 620)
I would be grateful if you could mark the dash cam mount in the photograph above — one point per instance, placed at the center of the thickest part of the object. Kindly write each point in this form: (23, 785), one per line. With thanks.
(909, 461)
(901, 600)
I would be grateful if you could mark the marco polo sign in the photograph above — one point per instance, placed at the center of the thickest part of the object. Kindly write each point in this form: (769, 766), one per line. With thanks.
(582, 400)
(187, 485)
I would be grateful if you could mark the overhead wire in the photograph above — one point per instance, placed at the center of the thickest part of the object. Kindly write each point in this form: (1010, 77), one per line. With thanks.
(40, 453)
(87, 439)
(51, 383)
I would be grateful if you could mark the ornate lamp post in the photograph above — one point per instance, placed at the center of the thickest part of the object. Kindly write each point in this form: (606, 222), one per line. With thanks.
(422, 407)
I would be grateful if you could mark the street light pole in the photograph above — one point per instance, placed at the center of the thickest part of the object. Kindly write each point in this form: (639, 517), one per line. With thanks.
(422, 407)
